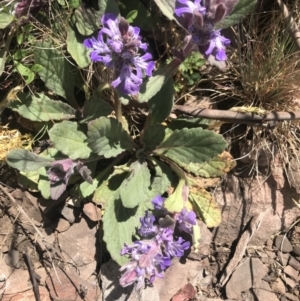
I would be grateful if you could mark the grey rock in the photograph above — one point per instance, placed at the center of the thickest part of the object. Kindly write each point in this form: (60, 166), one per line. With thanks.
(283, 244)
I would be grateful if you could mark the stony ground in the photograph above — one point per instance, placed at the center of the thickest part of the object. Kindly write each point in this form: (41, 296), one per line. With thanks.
(52, 251)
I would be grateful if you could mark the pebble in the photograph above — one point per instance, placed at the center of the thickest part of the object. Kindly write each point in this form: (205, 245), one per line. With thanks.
(290, 282)
(283, 244)
(278, 286)
(283, 258)
(291, 297)
(292, 272)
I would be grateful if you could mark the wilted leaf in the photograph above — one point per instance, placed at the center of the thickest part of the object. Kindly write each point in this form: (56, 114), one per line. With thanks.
(69, 140)
(206, 207)
(153, 136)
(135, 187)
(107, 137)
(216, 167)
(40, 107)
(176, 201)
(25, 160)
(191, 145)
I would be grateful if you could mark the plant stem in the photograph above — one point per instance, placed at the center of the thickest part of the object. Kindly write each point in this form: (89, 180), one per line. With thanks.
(118, 107)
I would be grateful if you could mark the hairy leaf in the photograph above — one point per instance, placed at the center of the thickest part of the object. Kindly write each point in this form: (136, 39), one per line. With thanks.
(25, 160)
(191, 145)
(134, 189)
(206, 207)
(167, 8)
(69, 140)
(161, 104)
(153, 136)
(152, 85)
(106, 137)
(216, 167)
(40, 107)
(240, 11)
(78, 51)
(56, 72)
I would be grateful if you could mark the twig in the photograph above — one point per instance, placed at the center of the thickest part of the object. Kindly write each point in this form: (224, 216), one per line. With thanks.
(242, 245)
(292, 26)
(236, 117)
(33, 277)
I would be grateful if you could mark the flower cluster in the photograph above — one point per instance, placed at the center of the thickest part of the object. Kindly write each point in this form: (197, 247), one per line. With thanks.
(117, 46)
(151, 256)
(200, 20)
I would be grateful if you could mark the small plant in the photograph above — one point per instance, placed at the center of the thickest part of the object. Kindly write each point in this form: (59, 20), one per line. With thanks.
(128, 173)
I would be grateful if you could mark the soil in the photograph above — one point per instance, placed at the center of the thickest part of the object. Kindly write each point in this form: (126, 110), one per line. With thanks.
(51, 250)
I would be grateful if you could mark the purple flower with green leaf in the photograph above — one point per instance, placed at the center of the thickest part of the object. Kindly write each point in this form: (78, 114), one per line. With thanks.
(158, 202)
(60, 172)
(150, 258)
(118, 47)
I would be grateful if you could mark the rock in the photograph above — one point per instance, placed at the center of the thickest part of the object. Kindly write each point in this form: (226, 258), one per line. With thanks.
(92, 212)
(244, 277)
(296, 250)
(43, 275)
(283, 258)
(283, 244)
(187, 292)
(65, 286)
(289, 282)
(291, 297)
(79, 244)
(63, 225)
(13, 258)
(27, 296)
(293, 262)
(263, 292)
(278, 286)
(292, 272)
(70, 214)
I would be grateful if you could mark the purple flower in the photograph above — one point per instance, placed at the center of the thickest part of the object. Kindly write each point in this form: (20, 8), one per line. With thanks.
(176, 248)
(217, 43)
(186, 220)
(61, 171)
(200, 20)
(146, 261)
(158, 202)
(117, 46)
(147, 228)
(190, 8)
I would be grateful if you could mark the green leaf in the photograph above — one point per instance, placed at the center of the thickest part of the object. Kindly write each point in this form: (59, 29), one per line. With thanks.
(167, 7)
(25, 160)
(161, 104)
(87, 18)
(176, 202)
(56, 72)
(86, 189)
(74, 3)
(69, 140)
(154, 84)
(135, 187)
(3, 53)
(206, 207)
(78, 51)
(96, 107)
(163, 179)
(131, 16)
(44, 184)
(153, 136)
(29, 180)
(108, 189)
(25, 72)
(106, 137)
(191, 145)
(37, 68)
(39, 107)
(5, 19)
(216, 167)
(240, 11)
